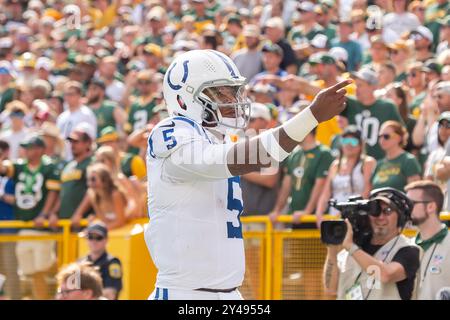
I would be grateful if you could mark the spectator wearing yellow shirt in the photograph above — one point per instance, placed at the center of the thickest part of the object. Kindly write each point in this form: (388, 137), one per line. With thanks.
(103, 12)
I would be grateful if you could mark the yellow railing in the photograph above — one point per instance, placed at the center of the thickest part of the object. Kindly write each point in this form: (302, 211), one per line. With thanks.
(272, 260)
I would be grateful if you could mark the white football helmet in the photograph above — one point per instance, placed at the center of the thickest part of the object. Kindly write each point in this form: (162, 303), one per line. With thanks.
(206, 86)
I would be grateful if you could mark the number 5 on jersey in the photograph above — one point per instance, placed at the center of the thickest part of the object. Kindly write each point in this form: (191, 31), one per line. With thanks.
(167, 134)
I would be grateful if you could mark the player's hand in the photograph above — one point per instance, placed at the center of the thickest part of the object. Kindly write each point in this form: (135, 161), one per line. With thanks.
(330, 102)
(297, 216)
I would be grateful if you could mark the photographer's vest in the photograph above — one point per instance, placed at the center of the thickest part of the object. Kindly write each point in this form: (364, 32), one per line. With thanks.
(351, 273)
(434, 272)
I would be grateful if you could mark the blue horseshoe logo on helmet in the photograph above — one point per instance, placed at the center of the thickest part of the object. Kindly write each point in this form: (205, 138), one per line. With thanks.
(185, 75)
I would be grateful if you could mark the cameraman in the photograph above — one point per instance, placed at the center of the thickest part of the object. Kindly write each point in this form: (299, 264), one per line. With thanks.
(384, 267)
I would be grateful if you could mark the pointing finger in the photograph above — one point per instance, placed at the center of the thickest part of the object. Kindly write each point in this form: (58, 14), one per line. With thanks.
(340, 85)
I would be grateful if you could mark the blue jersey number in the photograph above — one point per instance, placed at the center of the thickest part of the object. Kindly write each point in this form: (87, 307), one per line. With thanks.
(234, 205)
(167, 134)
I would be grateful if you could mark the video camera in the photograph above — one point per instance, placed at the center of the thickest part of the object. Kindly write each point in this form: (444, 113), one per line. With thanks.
(357, 211)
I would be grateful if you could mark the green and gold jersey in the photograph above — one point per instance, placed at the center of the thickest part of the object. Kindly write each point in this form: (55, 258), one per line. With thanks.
(305, 167)
(73, 186)
(105, 115)
(369, 120)
(32, 187)
(132, 165)
(394, 173)
(140, 113)
(296, 34)
(62, 70)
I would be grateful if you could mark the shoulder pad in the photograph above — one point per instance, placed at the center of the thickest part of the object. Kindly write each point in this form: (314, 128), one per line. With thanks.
(172, 133)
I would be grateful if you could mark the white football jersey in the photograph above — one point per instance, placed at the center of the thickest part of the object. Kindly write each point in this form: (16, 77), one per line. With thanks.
(194, 235)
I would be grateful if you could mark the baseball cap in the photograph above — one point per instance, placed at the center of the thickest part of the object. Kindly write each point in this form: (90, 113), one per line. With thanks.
(275, 22)
(71, 9)
(251, 30)
(398, 45)
(444, 116)
(108, 134)
(321, 58)
(259, 110)
(263, 88)
(6, 68)
(98, 82)
(272, 47)
(353, 131)
(339, 54)
(443, 87)
(154, 49)
(319, 41)
(422, 31)
(306, 6)
(82, 129)
(431, 65)
(33, 141)
(366, 74)
(27, 60)
(44, 63)
(98, 228)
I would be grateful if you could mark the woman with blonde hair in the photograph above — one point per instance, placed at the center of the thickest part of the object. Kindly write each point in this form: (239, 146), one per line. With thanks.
(104, 196)
(137, 197)
(398, 167)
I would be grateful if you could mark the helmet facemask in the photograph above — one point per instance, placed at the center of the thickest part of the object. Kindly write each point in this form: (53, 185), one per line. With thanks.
(225, 106)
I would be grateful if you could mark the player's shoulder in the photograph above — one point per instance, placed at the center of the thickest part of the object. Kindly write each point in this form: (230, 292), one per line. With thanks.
(172, 133)
(180, 123)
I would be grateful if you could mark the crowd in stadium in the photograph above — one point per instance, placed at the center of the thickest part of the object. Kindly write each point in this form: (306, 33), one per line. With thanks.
(81, 89)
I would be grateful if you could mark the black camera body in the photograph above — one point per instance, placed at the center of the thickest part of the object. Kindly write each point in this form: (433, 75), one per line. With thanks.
(357, 211)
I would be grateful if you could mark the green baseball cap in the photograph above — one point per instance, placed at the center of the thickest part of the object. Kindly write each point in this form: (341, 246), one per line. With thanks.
(108, 134)
(321, 58)
(33, 141)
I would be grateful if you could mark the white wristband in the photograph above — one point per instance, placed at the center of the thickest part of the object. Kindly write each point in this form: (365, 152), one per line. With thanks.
(299, 126)
(272, 146)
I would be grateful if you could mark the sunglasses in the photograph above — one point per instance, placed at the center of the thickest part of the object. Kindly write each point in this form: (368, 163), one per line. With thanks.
(444, 124)
(385, 136)
(144, 82)
(350, 141)
(66, 292)
(92, 237)
(386, 211)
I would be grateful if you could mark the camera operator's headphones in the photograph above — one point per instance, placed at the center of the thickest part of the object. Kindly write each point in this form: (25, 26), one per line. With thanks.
(398, 200)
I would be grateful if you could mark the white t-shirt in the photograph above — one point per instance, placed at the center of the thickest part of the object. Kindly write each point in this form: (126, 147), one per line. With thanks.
(194, 235)
(400, 23)
(14, 140)
(115, 91)
(68, 120)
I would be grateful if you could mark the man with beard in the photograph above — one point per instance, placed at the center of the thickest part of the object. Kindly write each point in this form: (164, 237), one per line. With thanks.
(107, 112)
(384, 267)
(433, 238)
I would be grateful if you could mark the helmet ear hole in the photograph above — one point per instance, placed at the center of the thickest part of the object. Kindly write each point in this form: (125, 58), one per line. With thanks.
(181, 102)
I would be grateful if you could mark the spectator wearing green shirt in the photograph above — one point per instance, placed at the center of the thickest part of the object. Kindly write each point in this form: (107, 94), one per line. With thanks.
(107, 112)
(368, 112)
(399, 167)
(305, 175)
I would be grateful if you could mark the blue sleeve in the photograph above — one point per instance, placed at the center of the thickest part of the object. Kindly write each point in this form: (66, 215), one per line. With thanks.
(9, 188)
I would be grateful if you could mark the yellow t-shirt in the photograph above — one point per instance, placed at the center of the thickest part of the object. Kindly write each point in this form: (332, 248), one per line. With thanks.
(103, 19)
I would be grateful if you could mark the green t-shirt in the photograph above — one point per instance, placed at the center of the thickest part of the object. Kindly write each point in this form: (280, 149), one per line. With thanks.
(105, 115)
(73, 187)
(140, 114)
(32, 187)
(414, 107)
(6, 97)
(395, 172)
(369, 120)
(305, 167)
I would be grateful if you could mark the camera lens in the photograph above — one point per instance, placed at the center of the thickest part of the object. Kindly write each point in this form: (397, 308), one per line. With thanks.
(339, 231)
